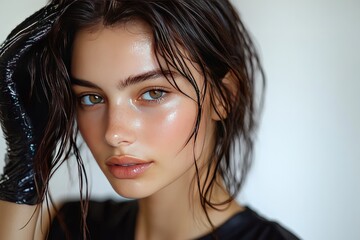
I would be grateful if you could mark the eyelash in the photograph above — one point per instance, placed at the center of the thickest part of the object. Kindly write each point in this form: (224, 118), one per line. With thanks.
(83, 96)
(157, 100)
(141, 98)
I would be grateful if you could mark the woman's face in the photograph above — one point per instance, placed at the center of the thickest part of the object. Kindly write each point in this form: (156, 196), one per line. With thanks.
(134, 121)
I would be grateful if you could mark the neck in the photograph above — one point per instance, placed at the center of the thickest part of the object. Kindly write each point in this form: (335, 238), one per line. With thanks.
(172, 214)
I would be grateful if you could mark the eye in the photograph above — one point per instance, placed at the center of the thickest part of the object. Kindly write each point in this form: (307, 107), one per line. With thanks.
(91, 100)
(153, 95)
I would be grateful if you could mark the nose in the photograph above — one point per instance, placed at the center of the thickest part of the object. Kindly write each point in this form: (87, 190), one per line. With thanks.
(121, 126)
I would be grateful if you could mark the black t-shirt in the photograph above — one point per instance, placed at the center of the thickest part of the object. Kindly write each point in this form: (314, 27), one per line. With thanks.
(116, 220)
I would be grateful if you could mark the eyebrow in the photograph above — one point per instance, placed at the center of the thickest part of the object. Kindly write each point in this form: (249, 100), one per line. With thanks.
(131, 80)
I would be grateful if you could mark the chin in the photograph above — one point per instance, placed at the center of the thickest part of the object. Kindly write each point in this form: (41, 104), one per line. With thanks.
(131, 190)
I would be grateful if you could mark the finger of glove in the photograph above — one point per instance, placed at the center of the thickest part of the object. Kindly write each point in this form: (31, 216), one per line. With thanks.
(17, 184)
(30, 30)
(16, 124)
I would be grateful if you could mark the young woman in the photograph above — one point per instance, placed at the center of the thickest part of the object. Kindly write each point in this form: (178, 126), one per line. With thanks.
(162, 93)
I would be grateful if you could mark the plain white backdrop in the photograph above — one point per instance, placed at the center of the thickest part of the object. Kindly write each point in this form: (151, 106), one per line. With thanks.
(306, 173)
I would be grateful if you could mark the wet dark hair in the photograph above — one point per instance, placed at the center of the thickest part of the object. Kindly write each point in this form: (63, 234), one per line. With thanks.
(213, 37)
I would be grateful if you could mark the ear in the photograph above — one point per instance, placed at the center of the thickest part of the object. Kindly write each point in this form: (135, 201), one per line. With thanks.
(220, 109)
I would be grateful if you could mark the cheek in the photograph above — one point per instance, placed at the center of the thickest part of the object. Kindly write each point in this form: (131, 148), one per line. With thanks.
(170, 128)
(90, 126)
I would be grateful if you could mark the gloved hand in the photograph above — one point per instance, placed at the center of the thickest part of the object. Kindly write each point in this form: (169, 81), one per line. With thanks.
(23, 109)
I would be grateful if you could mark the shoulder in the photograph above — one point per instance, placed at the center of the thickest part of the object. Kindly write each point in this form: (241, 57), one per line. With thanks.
(248, 225)
(103, 218)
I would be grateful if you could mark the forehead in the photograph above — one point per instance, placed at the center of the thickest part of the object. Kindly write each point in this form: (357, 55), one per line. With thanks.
(123, 49)
(112, 54)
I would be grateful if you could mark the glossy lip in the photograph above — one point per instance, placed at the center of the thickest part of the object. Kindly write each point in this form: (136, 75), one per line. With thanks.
(127, 167)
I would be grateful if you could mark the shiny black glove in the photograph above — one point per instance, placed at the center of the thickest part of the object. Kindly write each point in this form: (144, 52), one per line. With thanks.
(22, 114)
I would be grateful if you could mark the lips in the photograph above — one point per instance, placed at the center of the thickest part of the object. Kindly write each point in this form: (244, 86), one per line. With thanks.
(127, 167)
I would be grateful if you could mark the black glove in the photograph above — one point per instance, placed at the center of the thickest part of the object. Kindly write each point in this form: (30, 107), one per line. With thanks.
(23, 114)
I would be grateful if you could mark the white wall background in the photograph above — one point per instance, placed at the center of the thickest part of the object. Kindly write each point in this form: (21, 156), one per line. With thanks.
(307, 169)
